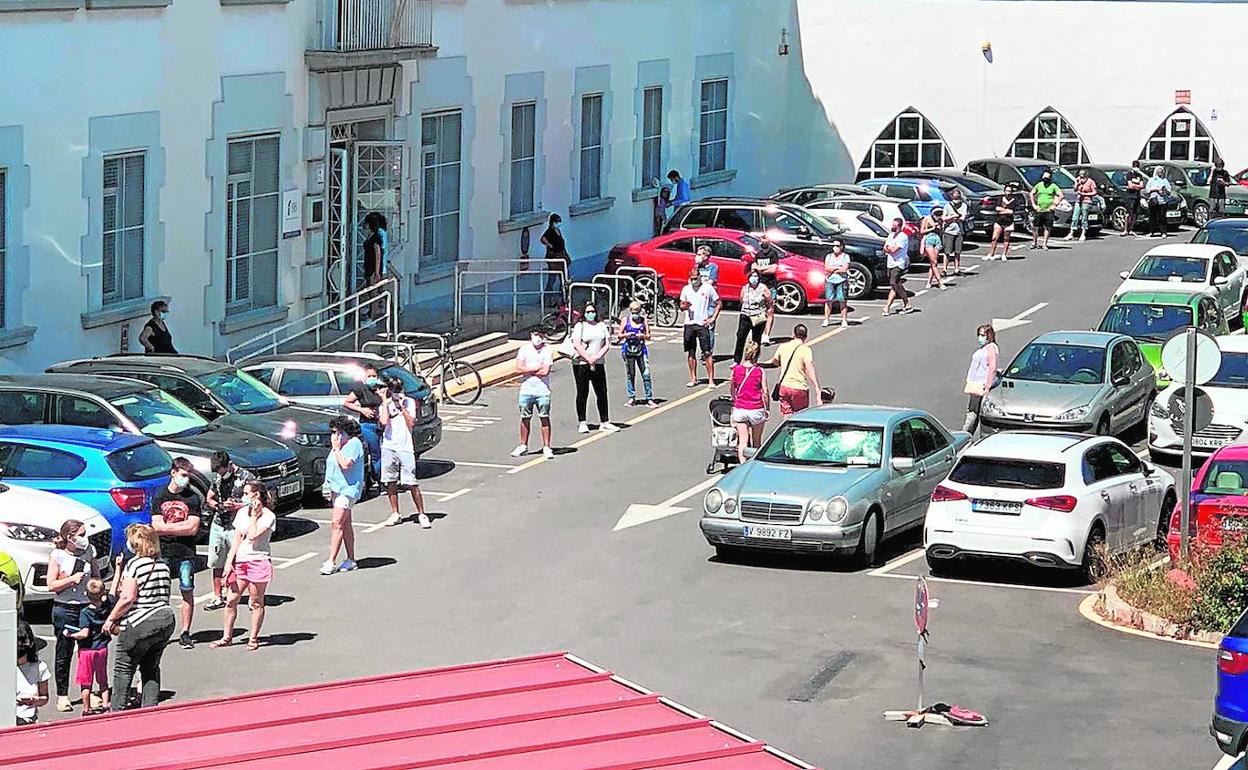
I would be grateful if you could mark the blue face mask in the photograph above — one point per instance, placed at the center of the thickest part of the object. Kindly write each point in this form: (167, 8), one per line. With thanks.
(164, 314)
(372, 382)
(591, 315)
(982, 340)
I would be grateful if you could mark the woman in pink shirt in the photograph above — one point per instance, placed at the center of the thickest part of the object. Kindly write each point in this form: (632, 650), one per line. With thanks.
(750, 402)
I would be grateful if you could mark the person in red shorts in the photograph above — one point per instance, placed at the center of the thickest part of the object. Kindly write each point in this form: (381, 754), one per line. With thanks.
(796, 363)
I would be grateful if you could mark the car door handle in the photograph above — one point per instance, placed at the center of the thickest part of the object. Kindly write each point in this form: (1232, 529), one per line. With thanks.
(922, 472)
(1104, 495)
(1132, 487)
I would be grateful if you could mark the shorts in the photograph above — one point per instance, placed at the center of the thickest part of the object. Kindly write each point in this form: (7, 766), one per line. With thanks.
(185, 571)
(953, 243)
(1043, 220)
(697, 335)
(531, 404)
(398, 466)
(793, 399)
(219, 541)
(345, 502)
(895, 282)
(259, 571)
(834, 292)
(1006, 227)
(92, 667)
(932, 240)
(749, 416)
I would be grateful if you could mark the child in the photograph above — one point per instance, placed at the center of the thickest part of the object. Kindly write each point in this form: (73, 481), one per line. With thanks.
(93, 644)
(32, 675)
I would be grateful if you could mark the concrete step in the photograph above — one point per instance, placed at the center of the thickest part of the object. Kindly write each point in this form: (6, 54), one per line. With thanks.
(495, 362)
(463, 350)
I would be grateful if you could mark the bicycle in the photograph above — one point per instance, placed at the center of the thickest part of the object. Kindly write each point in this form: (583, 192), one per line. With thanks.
(458, 381)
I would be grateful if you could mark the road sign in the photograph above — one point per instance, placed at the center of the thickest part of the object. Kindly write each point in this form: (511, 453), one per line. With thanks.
(1202, 410)
(1208, 358)
(921, 601)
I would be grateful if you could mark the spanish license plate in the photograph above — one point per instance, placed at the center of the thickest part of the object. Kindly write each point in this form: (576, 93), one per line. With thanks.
(289, 488)
(997, 506)
(1172, 214)
(768, 533)
(1210, 443)
(1094, 217)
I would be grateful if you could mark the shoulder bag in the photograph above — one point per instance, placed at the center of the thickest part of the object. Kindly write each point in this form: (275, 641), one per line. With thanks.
(775, 389)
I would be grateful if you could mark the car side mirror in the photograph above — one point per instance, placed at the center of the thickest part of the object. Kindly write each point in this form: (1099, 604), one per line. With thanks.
(1221, 280)
(1120, 380)
(803, 231)
(1148, 470)
(1124, 275)
(903, 464)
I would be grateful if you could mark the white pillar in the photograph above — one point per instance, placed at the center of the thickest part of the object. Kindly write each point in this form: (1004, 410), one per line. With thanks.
(8, 649)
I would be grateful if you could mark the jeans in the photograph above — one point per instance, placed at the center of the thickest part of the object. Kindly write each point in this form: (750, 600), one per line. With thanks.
(371, 433)
(631, 365)
(584, 375)
(1156, 217)
(1079, 218)
(746, 329)
(64, 614)
(139, 647)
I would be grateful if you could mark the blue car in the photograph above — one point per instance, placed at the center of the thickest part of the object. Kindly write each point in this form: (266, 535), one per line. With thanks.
(115, 473)
(923, 194)
(1230, 704)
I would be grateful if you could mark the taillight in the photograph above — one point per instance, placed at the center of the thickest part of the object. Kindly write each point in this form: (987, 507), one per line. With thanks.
(1232, 662)
(986, 202)
(1063, 503)
(943, 494)
(129, 499)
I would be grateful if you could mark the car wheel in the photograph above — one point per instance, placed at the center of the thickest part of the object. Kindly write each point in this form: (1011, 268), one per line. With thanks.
(1163, 520)
(644, 287)
(869, 541)
(1094, 566)
(1102, 425)
(861, 282)
(1200, 214)
(790, 298)
(1118, 217)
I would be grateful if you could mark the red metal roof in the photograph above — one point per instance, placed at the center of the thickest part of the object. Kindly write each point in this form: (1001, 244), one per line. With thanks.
(546, 712)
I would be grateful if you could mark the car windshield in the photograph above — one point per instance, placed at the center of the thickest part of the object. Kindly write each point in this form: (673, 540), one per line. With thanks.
(1226, 477)
(241, 392)
(909, 212)
(810, 220)
(1160, 267)
(1198, 176)
(1049, 362)
(1013, 474)
(1232, 237)
(412, 385)
(159, 415)
(1143, 321)
(1061, 177)
(875, 227)
(1119, 177)
(816, 443)
(976, 183)
(1233, 373)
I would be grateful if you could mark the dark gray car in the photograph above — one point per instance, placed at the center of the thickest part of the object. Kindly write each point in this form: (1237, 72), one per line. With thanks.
(1026, 173)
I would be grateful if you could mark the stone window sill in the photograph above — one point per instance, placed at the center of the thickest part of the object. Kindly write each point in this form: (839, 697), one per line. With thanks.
(253, 318)
(122, 311)
(40, 5)
(590, 206)
(645, 194)
(15, 338)
(128, 3)
(521, 221)
(715, 177)
(254, 2)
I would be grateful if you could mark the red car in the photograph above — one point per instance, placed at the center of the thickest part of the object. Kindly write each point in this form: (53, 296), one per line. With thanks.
(798, 280)
(1219, 503)
(1242, 177)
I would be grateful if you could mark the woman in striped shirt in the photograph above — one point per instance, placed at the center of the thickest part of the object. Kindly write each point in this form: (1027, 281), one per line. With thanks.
(142, 620)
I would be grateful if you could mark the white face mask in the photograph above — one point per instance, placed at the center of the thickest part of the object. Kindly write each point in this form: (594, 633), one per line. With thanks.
(79, 542)
(537, 340)
(180, 482)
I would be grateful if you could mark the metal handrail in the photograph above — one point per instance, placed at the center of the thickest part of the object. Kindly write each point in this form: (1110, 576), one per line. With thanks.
(372, 25)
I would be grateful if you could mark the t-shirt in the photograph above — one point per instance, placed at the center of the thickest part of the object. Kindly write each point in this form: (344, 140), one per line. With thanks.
(258, 549)
(1013, 202)
(747, 384)
(953, 217)
(700, 302)
(800, 352)
(71, 564)
(175, 507)
(1086, 189)
(397, 436)
(351, 481)
(366, 397)
(373, 263)
(754, 300)
(530, 357)
(680, 192)
(92, 619)
(152, 577)
(225, 489)
(1218, 182)
(592, 336)
(709, 270)
(1046, 195)
(832, 263)
(28, 677)
(558, 248)
(901, 257)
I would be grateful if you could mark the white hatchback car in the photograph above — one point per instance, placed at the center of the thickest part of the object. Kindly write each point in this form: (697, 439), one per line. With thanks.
(29, 519)
(1048, 499)
(1216, 270)
(1228, 394)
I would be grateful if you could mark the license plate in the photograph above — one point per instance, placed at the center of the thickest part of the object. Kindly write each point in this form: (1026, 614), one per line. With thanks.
(1210, 443)
(1234, 524)
(768, 533)
(996, 506)
(1094, 217)
(1173, 214)
(289, 488)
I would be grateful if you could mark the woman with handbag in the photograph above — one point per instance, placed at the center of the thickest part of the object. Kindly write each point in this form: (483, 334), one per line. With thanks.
(591, 339)
(750, 402)
(981, 375)
(142, 620)
(756, 303)
(633, 333)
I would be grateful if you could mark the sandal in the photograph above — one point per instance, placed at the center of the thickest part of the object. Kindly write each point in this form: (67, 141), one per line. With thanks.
(252, 645)
(221, 643)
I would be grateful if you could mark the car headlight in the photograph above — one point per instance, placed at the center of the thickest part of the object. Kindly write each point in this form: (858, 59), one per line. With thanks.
(815, 511)
(1158, 409)
(30, 533)
(990, 407)
(312, 439)
(730, 506)
(1078, 413)
(714, 501)
(837, 508)
(289, 430)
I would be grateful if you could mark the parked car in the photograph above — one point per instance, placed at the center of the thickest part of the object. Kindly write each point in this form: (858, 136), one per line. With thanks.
(1111, 185)
(877, 207)
(1215, 270)
(1231, 232)
(1228, 396)
(833, 479)
(134, 406)
(1191, 180)
(1151, 317)
(818, 192)
(980, 193)
(115, 473)
(1049, 499)
(219, 393)
(1219, 509)
(1229, 726)
(1073, 381)
(1026, 172)
(799, 280)
(853, 222)
(324, 380)
(30, 519)
(924, 194)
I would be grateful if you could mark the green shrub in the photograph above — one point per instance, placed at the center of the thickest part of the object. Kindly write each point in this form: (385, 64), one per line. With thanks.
(1216, 600)
(1221, 588)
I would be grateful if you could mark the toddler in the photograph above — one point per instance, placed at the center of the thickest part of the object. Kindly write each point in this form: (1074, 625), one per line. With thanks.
(93, 644)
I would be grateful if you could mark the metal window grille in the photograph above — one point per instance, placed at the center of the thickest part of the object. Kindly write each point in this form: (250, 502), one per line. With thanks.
(651, 135)
(591, 147)
(523, 158)
(713, 131)
(1049, 137)
(123, 231)
(909, 141)
(252, 222)
(441, 150)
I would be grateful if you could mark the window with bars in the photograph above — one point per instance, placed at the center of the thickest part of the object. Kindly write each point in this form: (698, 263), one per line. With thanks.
(123, 230)
(651, 135)
(1049, 137)
(1181, 136)
(4, 250)
(251, 211)
(441, 152)
(909, 141)
(591, 147)
(523, 158)
(713, 129)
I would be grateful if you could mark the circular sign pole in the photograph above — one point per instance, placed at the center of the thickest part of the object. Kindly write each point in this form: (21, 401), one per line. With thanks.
(1189, 397)
(1196, 355)
(922, 602)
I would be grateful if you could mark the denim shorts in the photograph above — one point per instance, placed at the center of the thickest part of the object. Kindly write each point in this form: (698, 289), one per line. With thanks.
(185, 570)
(533, 404)
(834, 292)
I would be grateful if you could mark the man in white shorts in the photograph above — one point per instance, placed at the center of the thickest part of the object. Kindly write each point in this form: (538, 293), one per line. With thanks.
(397, 415)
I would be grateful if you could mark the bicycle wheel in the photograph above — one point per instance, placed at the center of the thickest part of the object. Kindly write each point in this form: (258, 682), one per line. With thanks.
(669, 312)
(460, 382)
(554, 327)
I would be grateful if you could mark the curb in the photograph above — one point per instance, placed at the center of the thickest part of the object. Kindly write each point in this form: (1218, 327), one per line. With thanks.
(1108, 610)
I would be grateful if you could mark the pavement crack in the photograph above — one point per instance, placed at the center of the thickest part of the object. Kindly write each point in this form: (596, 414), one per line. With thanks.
(823, 677)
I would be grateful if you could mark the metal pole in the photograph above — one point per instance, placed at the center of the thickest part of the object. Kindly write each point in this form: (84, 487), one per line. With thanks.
(1189, 398)
(922, 649)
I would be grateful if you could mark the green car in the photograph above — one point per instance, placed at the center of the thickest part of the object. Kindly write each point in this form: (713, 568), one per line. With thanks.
(1191, 180)
(11, 576)
(1152, 317)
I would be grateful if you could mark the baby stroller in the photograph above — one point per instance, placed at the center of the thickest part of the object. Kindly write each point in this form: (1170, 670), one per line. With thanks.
(723, 434)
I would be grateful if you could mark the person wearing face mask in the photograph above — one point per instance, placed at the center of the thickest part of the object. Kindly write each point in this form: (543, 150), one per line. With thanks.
(533, 362)
(981, 375)
(897, 260)
(176, 512)
(836, 286)
(1159, 191)
(591, 339)
(957, 222)
(1044, 199)
(557, 259)
(365, 400)
(225, 497)
(699, 305)
(155, 337)
(141, 621)
(756, 302)
(1085, 194)
(249, 568)
(634, 332)
(930, 228)
(344, 474)
(70, 565)
(710, 274)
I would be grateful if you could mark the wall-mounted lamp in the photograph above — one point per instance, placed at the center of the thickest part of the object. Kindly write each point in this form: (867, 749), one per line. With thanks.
(783, 50)
(986, 49)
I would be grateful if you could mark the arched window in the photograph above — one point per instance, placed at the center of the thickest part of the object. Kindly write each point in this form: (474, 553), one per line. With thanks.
(1048, 136)
(909, 141)
(1181, 136)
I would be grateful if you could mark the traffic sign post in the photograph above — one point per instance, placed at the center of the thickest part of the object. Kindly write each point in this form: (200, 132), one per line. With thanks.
(1196, 355)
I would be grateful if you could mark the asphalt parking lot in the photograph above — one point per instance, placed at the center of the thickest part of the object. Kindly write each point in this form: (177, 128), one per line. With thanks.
(525, 556)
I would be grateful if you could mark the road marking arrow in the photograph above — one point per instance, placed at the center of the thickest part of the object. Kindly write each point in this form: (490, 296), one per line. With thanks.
(643, 513)
(1001, 324)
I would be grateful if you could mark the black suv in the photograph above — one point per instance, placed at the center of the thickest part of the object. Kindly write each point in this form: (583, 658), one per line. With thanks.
(1111, 185)
(786, 225)
(225, 396)
(134, 406)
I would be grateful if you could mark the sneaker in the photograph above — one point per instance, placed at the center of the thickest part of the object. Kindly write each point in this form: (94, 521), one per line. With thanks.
(185, 641)
(583, 428)
(844, 324)
(215, 603)
(328, 568)
(63, 704)
(766, 340)
(519, 451)
(1083, 238)
(825, 323)
(348, 565)
(691, 384)
(651, 403)
(631, 402)
(548, 453)
(1070, 237)
(424, 521)
(608, 427)
(394, 519)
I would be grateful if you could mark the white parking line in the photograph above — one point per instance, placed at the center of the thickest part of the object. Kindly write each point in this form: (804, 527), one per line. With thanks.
(296, 560)
(1227, 762)
(954, 581)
